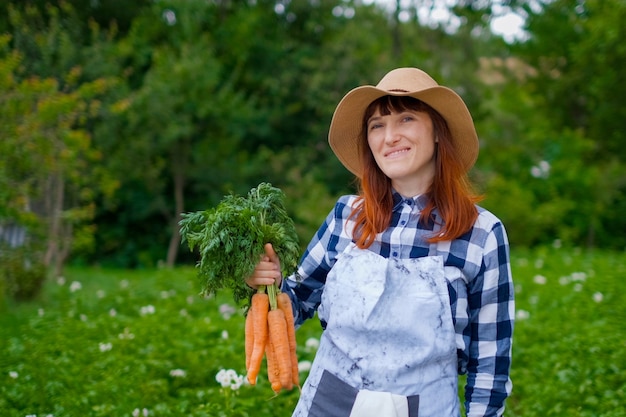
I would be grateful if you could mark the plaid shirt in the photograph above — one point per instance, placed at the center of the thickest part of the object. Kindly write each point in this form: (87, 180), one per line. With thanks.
(477, 269)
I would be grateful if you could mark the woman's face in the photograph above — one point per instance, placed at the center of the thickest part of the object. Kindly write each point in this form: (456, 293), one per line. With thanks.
(403, 146)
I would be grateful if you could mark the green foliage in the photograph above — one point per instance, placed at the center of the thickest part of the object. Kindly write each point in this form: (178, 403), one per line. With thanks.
(49, 173)
(22, 272)
(109, 342)
(573, 100)
(231, 238)
(569, 336)
(103, 343)
(173, 104)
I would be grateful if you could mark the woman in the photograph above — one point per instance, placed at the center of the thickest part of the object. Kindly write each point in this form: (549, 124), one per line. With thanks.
(411, 279)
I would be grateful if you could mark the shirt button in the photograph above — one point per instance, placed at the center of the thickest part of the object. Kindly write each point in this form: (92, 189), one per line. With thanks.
(395, 254)
(409, 202)
(403, 222)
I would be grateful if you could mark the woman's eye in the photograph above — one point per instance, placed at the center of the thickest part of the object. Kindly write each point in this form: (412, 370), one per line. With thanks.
(408, 118)
(374, 126)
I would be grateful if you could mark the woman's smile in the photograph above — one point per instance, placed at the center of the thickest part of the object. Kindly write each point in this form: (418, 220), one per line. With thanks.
(397, 153)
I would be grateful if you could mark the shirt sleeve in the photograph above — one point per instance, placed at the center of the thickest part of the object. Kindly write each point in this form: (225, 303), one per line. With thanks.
(306, 285)
(491, 314)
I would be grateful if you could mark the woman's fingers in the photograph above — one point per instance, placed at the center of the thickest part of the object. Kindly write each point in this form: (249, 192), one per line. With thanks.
(267, 271)
(273, 257)
(271, 254)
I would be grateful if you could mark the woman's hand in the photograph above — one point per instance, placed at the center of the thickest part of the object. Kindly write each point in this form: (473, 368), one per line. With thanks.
(267, 271)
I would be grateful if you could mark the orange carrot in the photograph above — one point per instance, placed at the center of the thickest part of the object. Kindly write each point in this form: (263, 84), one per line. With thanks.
(249, 337)
(272, 367)
(284, 303)
(280, 342)
(259, 307)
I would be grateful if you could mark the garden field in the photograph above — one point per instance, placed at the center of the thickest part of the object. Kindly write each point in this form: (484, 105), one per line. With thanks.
(101, 342)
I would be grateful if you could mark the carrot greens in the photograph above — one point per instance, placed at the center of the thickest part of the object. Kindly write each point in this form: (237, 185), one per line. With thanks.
(230, 238)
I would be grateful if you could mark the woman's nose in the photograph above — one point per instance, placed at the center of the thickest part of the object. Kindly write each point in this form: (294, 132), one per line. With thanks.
(391, 135)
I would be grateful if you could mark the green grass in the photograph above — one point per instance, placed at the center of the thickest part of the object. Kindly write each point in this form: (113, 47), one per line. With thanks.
(109, 347)
(570, 336)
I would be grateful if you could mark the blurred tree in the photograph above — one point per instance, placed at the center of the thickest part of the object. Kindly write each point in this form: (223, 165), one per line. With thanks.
(577, 52)
(215, 97)
(46, 175)
(107, 14)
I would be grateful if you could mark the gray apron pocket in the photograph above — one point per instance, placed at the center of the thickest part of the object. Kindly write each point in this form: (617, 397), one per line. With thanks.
(332, 398)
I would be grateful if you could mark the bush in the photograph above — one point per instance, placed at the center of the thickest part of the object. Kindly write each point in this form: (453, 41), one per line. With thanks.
(23, 273)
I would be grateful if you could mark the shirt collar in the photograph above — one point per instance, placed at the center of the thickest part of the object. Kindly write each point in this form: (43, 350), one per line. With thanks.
(419, 201)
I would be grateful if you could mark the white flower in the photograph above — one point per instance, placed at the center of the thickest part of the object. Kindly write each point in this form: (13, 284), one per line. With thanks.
(13, 374)
(237, 382)
(112, 312)
(535, 172)
(145, 310)
(105, 347)
(127, 334)
(224, 334)
(41, 312)
(522, 315)
(304, 366)
(579, 276)
(598, 297)
(183, 312)
(137, 412)
(226, 310)
(228, 378)
(100, 294)
(540, 279)
(165, 294)
(542, 170)
(312, 343)
(60, 280)
(75, 286)
(178, 373)
(221, 377)
(83, 317)
(124, 283)
(169, 16)
(564, 280)
(578, 287)
(539, 263)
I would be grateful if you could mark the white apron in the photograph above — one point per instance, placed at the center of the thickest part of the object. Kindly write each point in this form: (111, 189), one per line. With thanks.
(389, 345)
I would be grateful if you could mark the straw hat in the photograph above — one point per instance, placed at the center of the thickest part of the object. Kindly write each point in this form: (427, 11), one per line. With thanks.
(346, 125)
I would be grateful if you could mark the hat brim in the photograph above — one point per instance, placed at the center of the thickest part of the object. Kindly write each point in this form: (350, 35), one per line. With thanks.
(346, 124)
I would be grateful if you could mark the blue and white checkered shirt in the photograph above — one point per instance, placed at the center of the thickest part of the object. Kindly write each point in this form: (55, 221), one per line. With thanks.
(477, 269)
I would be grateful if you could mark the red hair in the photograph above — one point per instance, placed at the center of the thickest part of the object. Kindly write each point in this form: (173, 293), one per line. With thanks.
(450, 192)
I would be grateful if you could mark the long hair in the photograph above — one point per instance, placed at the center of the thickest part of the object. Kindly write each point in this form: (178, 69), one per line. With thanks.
(450, 192)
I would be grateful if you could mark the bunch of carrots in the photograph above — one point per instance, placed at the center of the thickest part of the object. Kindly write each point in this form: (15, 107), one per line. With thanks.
(231, 238)
(270, 332)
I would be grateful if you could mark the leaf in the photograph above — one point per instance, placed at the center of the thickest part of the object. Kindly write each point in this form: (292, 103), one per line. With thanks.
(231, 238)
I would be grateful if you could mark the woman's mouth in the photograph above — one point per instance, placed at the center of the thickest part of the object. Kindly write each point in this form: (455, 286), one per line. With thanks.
(396, 152)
